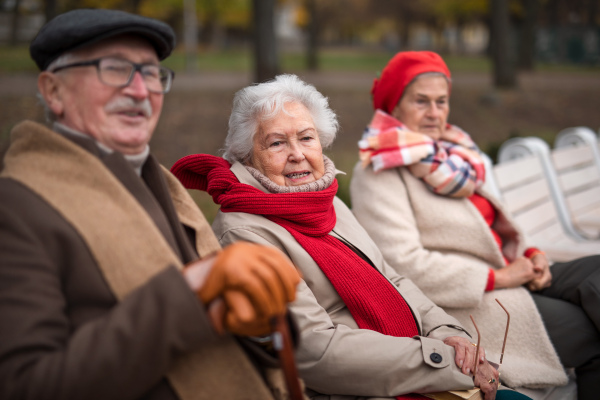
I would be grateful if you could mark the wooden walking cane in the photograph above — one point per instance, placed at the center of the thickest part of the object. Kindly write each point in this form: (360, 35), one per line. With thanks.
(282, 343)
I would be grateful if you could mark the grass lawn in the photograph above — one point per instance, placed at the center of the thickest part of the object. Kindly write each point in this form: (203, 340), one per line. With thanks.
(16, 59)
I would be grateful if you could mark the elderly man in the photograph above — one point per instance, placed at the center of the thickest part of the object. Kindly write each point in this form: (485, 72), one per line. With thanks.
(112, 285)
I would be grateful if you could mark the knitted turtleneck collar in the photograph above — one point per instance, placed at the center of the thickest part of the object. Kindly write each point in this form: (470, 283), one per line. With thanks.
(320, 184)
(135, 160)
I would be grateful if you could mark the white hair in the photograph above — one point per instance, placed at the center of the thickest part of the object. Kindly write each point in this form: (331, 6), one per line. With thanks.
(63, 59)
(263, 101)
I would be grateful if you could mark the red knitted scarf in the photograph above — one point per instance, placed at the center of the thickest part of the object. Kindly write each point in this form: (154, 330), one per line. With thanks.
(309, 216)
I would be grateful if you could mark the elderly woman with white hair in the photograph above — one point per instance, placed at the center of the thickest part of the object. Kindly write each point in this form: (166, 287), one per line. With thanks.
(365, 330)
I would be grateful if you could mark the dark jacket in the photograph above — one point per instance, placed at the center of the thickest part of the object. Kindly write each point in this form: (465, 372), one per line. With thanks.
(64, 333)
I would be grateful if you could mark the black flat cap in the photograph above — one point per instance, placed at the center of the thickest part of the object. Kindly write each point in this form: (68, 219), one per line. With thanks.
(79, 28)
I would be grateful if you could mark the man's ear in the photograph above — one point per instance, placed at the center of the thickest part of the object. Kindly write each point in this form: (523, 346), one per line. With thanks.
(49, 86)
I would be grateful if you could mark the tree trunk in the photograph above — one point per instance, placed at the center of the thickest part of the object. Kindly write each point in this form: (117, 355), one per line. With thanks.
(135, 6)
(460, 37)
(14, 32)
(553, 10)
(528, 30)
(592, 10)
(313, 36)
(266, 64)
(502, 61)
(404, 32)
(50, 9)
(190, 34)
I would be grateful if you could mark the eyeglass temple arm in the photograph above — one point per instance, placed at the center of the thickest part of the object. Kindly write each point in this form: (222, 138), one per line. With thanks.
(506, 332)
(477, 353)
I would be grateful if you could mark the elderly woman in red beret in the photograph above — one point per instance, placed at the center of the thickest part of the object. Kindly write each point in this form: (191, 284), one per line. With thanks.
(365, 331)
(419, 192)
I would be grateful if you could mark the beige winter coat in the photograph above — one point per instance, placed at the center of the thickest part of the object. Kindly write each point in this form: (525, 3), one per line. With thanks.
(444, 245)
(335, 356)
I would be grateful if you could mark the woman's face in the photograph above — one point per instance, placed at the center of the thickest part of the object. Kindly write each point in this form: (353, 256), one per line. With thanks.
(286, 148)
(424, 106)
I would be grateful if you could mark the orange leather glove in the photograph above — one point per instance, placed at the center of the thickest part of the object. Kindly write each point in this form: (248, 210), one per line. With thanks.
(236, 315)
(255, 283)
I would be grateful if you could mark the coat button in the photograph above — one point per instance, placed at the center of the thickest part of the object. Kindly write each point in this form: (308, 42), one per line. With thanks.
(436, 358)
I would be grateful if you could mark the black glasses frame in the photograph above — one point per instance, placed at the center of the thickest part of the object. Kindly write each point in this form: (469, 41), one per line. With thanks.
(136, 68)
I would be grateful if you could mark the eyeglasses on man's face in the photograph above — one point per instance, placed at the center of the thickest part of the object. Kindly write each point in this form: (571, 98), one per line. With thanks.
(117, 72)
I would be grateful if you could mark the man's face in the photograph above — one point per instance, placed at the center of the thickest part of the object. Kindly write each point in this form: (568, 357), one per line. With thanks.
(121, 118)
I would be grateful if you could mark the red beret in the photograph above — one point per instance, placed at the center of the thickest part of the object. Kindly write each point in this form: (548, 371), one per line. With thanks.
(399, 72)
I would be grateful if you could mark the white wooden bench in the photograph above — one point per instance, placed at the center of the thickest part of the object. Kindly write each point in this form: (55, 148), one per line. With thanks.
(523, 177)
(520, 182)
(576, 159)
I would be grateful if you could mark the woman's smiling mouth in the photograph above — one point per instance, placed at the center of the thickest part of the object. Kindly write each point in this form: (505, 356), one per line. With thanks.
(298, 175)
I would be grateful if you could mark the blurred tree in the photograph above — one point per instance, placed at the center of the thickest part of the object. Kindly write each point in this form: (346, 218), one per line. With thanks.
(570, 12)
(552, 9)
(529, 25)
(592, 13)
(214, 17)
(572, 30)
(14, 30)
(50, 9)
(161, 9)
(266, 62)
(502, 61)
(190, 34)
(345, 19)
(436, 14)
(404, 13)
(113, 4)
(210, 20)
(133, 6)
(459, 13)
(313, 35)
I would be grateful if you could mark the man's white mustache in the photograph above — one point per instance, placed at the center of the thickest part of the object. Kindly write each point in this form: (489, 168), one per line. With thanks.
(127, 104)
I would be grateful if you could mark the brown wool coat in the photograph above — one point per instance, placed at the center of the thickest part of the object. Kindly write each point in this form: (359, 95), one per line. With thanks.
(337, 359)
(444, 245)
(92, 302)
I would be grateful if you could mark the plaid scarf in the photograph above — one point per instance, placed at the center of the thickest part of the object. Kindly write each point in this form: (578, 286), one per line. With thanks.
(371, 299)
(450, 166)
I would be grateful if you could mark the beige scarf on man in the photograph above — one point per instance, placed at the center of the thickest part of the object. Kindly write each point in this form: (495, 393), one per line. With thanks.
(91, 198)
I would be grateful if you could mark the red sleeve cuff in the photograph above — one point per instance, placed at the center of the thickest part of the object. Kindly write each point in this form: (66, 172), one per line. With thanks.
(532, 252)
(491, 281)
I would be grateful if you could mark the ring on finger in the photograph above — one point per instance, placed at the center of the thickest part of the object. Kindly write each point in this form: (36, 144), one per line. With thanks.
(492, 380)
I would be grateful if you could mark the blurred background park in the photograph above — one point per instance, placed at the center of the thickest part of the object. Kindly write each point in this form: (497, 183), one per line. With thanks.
(520, 67)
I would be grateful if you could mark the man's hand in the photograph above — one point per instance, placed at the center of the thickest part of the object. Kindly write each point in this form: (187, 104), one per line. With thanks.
(254, 282)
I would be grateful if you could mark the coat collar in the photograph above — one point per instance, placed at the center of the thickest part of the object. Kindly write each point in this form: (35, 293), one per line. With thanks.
(105, 214)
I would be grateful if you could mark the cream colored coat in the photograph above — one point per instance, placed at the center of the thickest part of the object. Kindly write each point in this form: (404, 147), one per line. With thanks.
(444, 245)
(334, 355)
